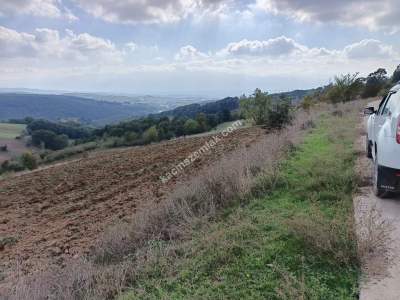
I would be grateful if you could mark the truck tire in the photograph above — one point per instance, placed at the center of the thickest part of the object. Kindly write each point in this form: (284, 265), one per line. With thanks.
(368, 148)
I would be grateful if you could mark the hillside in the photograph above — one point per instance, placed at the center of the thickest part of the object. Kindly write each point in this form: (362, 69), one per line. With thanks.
(228, 103)
(66, 206)
(58, 107)
(191, 110)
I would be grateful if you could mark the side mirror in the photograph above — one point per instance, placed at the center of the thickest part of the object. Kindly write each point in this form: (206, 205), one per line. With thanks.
(369, 110)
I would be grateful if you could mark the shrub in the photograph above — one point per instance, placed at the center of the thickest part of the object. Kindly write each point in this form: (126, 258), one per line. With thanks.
(150, 135)
(307, 102)
(330, 236)
(191, 127)
(263, 110)
(28, 161)
(345, 88)
(49, 139)
(11, 166)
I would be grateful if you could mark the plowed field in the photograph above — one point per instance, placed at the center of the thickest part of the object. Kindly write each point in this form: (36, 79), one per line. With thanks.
(57, 212)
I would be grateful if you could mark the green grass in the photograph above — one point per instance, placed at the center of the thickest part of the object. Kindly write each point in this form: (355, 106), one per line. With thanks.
(255, 253)
(10, 131)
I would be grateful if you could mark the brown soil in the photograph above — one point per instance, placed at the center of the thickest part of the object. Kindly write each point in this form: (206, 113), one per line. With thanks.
(56, 213)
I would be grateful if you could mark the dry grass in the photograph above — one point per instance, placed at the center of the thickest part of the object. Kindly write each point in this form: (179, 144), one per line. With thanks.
(330, 236)
(374, 243)
(291, 287)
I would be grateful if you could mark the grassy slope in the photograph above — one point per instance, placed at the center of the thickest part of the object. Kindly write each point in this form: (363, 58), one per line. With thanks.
(253, 253)
(10, 131)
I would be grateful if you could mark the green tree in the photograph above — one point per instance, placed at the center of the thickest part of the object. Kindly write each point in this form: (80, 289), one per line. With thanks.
(256, 107)
(307, 102)
(201, 119)
(376, 81)
(130, 137)
(28, 161)
(150, 135)
(345, 88)
(280, 114)
(262, 109)
(49, 139)
(191, 126)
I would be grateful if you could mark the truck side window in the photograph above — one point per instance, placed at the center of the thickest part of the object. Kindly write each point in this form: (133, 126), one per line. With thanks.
(391, 105)
(386, 106)
(382, 104)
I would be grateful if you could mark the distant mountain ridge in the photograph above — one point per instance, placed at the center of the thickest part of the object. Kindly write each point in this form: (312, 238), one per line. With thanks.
(59, 107)
(102, 109)
(228, 103)
(192, 110)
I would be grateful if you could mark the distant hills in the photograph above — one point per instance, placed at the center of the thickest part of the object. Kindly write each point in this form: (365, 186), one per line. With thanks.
(192, 110)
(229, 103)
(64, 107)
(100, 109)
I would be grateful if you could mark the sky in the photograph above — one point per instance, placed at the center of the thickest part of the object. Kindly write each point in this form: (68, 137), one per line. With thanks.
(193, 47)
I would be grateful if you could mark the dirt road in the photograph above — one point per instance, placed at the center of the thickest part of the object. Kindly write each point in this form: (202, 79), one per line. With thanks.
(383, 274)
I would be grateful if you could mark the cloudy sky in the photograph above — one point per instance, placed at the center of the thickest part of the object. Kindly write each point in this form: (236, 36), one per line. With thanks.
(198, 47)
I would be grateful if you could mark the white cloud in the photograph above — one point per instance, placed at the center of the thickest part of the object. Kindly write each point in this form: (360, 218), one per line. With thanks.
(273, 47)
(372, 14)
(47, 44)
(283, 47)
(14, 44)
(131, 46)
(38, 8)
(46, 55)
(369, 49)
(189, 53)
(147, 11)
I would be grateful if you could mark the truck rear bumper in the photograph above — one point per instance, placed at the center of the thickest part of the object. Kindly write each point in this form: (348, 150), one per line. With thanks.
(389, 179)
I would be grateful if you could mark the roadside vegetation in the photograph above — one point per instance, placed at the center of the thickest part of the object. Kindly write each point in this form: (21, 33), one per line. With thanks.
(348, 87)
(295, 241)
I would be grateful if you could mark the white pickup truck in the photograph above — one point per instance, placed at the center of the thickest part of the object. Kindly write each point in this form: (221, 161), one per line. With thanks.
(383, 142)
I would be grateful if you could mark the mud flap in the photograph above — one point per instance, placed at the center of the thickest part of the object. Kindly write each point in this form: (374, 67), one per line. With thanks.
(389, 179)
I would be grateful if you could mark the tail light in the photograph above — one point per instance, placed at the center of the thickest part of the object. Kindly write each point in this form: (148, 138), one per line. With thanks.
(398, 131)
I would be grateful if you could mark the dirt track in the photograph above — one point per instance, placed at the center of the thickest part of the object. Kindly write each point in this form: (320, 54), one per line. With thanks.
(57, 213)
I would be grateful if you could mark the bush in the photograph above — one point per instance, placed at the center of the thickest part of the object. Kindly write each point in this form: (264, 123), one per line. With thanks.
(28, 161)
(191, 127)
(150, 135)
(345, 88)
(11, 166)
(49, 139)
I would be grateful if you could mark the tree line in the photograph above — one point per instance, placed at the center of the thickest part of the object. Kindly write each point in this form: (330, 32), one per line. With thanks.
(351, 86)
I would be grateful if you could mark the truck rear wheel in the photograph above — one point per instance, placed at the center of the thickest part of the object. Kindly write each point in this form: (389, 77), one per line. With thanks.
(368, 148)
